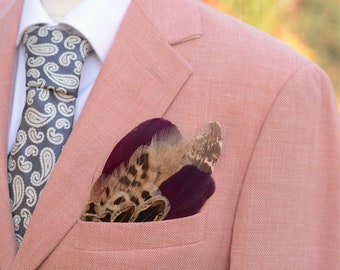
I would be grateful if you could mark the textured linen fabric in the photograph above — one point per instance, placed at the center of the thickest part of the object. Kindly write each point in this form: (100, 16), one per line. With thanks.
(276, 204)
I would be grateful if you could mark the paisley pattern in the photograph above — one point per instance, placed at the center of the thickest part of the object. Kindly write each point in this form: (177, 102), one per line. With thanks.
(54, 59)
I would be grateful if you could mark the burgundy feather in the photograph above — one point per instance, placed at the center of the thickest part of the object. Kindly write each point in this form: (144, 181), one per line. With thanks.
(153, 174)
(140, 135)
(187, 191)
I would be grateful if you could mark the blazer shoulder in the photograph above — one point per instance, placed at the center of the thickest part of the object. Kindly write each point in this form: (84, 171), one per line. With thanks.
(241, 39)
(248, 64)
(262, 61)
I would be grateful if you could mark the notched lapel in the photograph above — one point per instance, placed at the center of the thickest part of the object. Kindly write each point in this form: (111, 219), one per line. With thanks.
(139, 80)
(179, 21)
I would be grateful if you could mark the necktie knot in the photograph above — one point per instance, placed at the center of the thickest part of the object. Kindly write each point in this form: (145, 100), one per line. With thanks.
(54, 59)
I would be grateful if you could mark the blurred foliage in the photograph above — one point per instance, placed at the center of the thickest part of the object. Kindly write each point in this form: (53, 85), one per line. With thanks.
(310, 26)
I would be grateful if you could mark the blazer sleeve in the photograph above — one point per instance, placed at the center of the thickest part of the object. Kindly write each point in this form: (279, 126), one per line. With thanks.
(288, 216)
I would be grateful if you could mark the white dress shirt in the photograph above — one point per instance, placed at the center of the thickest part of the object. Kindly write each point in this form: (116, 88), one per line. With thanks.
(96, 20)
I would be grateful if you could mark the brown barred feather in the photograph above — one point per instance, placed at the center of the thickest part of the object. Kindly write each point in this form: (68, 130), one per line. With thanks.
(131, 193)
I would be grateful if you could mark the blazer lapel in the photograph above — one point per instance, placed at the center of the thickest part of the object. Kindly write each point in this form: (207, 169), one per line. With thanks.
(139, 79)
(9, 24)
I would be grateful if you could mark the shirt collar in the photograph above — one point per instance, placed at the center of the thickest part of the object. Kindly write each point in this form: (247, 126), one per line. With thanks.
(98, 21)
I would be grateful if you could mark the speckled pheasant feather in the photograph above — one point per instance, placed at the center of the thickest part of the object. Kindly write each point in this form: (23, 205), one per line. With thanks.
(154, 174)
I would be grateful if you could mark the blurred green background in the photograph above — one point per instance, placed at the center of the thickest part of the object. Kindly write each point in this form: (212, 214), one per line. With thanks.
(312, 27)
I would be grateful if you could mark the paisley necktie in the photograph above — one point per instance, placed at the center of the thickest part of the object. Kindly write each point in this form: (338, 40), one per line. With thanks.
(54, 59)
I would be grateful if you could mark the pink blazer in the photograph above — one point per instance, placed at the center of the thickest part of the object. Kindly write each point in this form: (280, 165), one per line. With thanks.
(277, 199)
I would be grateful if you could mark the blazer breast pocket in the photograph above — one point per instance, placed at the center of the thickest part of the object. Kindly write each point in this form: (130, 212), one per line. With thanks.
(104, 236)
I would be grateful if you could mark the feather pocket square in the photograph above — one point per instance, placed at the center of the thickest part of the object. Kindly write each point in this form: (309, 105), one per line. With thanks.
(154, 174)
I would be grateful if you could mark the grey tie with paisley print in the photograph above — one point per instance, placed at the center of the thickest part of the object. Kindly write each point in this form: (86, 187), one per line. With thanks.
(54, 60)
